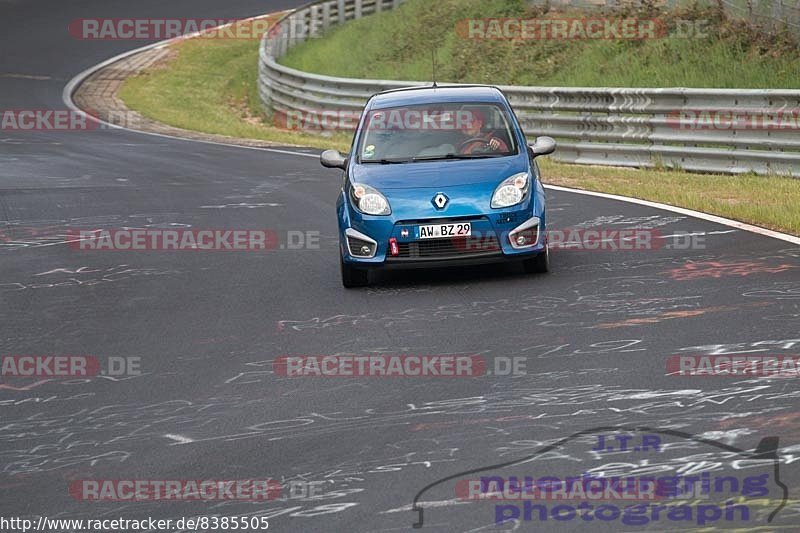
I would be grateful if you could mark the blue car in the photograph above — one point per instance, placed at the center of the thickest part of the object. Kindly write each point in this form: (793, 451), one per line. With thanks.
(439, 176)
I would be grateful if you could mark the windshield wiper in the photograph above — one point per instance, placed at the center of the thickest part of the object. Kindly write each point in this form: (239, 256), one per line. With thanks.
(442, 157)
(384, 161)
(456, 156)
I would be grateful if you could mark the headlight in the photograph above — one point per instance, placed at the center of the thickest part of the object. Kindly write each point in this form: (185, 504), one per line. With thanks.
(512, 191)
(369, 201)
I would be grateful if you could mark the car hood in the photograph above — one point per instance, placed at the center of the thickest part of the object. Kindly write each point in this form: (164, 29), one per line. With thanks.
(438, 174)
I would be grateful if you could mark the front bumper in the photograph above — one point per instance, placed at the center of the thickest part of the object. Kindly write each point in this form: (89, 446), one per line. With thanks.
(495, 238)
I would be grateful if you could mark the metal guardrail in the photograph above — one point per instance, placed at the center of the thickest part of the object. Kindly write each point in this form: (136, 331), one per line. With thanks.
(600, 126)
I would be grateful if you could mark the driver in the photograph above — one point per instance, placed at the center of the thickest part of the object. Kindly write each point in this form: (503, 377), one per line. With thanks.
(476, 141)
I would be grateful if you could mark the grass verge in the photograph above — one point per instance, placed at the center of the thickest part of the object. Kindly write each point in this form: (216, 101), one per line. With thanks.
(210, 86)
(767, 201)
(718, 53)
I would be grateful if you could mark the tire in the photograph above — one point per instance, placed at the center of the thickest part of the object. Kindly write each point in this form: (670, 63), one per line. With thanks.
(539, 264)
(353, 277)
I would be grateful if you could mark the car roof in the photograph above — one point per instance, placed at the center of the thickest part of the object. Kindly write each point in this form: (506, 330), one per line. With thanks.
(440, 94)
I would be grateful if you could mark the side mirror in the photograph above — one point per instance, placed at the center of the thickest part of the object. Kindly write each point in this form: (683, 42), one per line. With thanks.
(333, 159)
(543, 146)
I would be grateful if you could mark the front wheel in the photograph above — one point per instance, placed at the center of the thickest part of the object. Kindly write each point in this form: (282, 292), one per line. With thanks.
(353, 277)
(539, 264)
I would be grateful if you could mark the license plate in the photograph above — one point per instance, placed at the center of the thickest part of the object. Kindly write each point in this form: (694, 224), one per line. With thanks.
(443, 231)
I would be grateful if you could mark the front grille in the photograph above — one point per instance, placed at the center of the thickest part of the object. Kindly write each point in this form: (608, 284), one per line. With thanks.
(448, 248)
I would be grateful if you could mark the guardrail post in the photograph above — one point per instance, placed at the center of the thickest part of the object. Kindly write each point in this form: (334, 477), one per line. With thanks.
(378, 6)
(326, 15)
(312, 21)
(342, 11)
(292, 21)
(284, 44)
(303, 26)
(359, 4)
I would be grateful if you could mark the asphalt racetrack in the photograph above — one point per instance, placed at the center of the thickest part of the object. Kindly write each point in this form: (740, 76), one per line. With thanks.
(351, 454)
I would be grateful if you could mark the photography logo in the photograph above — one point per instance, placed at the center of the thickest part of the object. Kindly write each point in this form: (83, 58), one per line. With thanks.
(619, 476)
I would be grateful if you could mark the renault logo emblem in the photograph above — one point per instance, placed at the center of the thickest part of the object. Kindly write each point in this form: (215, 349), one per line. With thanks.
(440, 201)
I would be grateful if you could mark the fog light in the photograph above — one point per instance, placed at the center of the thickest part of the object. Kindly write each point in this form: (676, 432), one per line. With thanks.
(360, 245)
(526, 234)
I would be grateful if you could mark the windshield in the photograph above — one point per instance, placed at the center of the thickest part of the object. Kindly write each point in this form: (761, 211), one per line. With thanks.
(433, 132)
